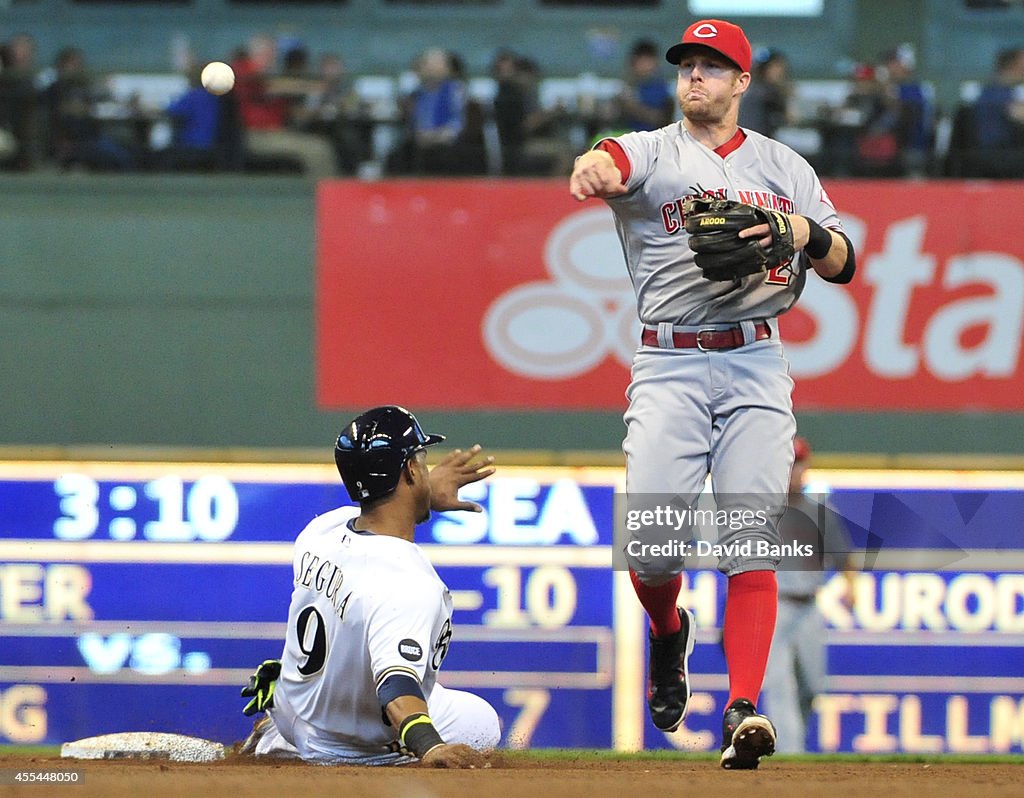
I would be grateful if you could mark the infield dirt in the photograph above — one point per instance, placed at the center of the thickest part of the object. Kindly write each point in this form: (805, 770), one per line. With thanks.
(517, 777)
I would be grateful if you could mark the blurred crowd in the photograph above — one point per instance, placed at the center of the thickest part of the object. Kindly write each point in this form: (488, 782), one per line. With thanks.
(292, 111)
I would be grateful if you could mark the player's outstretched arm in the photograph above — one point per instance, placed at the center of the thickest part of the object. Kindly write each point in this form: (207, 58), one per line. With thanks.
(596, 175)
(408, 714)
(455, 470)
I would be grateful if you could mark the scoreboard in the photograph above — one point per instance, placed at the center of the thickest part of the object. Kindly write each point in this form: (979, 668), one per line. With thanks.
(140, 596)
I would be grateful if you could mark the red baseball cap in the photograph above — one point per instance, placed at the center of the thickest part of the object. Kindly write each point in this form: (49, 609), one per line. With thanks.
(801, 449)
(720, 36)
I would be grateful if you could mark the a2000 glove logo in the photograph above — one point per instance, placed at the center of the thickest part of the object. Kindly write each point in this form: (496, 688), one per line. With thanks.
(560, 328)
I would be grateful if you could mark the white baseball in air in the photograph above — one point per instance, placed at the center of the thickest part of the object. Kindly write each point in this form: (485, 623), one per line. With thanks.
(218, 77)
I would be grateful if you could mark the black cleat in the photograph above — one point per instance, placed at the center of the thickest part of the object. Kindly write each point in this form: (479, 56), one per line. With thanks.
(746, 736)
(669, 686)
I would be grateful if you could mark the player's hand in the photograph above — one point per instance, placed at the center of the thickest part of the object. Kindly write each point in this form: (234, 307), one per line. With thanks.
(596, 175)
(261, 687)
(763, 234)
(458, 468)
(455, 755)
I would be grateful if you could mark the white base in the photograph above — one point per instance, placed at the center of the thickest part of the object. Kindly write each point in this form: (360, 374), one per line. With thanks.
(144, 745)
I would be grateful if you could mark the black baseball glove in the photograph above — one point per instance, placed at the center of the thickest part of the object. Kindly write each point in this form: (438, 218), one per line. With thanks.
(713, 225)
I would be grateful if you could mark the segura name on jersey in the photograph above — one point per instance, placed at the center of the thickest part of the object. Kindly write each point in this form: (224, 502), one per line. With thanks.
(323, 576)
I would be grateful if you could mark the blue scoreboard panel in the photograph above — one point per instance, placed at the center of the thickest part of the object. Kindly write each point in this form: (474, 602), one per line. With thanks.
(140, 596)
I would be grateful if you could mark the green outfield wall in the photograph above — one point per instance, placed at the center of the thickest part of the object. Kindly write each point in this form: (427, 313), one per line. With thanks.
(178, 311)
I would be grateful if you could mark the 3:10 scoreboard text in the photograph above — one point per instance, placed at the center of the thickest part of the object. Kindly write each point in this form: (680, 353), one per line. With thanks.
(205, 510)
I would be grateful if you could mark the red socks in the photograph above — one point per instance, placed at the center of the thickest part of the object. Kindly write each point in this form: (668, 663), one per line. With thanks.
(751, 603)
(660, 603)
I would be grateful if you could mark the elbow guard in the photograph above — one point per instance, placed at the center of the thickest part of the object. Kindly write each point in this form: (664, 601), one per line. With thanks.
(397, 685)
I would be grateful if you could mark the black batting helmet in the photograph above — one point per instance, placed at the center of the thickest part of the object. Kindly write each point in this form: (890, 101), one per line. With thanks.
(374, 447)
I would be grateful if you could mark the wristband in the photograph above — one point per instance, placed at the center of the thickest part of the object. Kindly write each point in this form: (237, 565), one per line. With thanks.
(417, 734)
(819, 242)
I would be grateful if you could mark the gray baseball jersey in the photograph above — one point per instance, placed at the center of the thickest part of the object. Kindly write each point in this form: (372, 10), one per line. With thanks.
(685, 405)
(667, 167)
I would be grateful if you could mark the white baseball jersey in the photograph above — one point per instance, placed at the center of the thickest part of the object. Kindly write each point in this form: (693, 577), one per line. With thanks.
(669, 166)
(363, 607)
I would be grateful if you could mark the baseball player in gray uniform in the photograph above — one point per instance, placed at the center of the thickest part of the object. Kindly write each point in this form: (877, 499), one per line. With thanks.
(370, 620)
(710, 389)
(797, 666)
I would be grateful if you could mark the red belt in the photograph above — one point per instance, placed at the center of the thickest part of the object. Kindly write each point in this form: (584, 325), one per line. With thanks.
(705, 340)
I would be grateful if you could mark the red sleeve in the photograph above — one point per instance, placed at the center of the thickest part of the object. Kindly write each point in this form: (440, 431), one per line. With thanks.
(618, 154)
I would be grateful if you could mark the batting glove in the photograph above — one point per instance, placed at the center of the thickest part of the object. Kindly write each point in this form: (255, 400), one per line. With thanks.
(261, 687)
